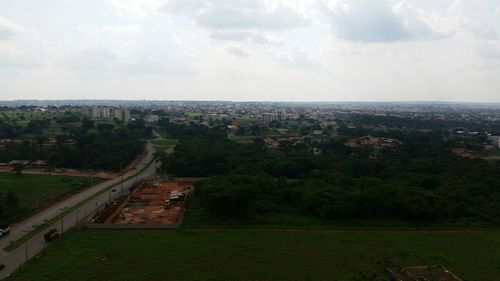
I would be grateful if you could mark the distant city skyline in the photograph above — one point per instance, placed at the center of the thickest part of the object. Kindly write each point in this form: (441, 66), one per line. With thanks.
(263, 50)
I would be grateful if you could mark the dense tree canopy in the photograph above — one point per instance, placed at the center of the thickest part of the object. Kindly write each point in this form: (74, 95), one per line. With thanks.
(104, 146)
(419, 180)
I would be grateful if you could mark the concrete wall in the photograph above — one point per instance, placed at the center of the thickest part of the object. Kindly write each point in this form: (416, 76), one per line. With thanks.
(132, 226)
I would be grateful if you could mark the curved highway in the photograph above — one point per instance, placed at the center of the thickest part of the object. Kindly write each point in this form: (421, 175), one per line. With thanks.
(14, 259)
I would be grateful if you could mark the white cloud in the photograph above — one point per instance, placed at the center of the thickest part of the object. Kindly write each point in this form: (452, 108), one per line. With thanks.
(241, 20)
(111, 29)
(128, 49)
(297, 58)
(269, 39)
(477, 17)
(138, 8)
(238, 51)
(299, 49)
(22, 47)
(258, 37)
(231, 35)
(489, 51)
(92, 59)
(8, 29)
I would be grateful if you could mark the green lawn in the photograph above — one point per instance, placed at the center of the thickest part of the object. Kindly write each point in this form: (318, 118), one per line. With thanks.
(164, 144)
(259, 255)
(38, 191)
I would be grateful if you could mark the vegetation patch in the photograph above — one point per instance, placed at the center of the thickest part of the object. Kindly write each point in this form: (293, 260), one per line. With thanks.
(24, 194)
(260, 255)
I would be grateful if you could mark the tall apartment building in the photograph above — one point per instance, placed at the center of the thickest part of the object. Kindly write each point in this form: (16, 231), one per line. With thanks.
(123, 114)
(270, 117)
(495, 140)
(99, 113)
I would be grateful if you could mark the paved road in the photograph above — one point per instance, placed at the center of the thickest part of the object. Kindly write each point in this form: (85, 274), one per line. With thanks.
(16, 258)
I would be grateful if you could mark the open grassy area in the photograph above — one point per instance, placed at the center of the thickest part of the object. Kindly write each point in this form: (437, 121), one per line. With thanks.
(164, 144)
(38, 191)
(259, 255)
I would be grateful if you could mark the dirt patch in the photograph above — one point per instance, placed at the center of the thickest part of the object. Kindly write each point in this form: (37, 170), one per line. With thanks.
(160, 203)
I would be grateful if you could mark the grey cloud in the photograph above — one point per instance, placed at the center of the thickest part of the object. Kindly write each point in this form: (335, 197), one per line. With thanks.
(238, 15)
(281, 18)
(376, 21)
(367, 21)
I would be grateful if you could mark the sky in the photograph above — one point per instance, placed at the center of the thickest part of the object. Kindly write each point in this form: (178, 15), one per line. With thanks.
(243, 50)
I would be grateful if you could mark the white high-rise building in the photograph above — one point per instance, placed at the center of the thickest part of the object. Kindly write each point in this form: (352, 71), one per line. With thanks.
(495, 140)
(270, 117)
(97, 113)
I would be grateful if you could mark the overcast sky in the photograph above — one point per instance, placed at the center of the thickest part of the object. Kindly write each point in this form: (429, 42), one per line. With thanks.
(294, 50)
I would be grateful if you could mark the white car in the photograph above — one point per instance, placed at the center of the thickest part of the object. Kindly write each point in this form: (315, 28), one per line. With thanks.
(4, 231)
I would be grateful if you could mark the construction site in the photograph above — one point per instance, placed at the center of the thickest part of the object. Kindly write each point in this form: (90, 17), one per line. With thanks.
(148, 205)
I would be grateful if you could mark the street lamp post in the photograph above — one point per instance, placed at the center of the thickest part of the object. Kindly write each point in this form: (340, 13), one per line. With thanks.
(121, 181)
(62, 219)
(26, 245)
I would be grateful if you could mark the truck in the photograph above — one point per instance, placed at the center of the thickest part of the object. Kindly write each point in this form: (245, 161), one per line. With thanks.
(51, 235)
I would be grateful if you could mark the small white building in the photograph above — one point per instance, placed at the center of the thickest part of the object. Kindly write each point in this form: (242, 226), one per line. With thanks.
(152, 118)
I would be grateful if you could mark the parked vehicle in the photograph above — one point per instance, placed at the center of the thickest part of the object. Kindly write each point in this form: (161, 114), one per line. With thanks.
(2, 266)
(51, 235)
(4, 231)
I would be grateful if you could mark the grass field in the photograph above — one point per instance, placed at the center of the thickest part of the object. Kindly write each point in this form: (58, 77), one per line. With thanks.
(164, 144)
(38, 191)
(260, 255)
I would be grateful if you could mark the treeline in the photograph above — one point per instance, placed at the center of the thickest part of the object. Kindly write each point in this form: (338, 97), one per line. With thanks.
(418, 180)
(94, 147)
(418, 123)
(9, 206)
(10, 131)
